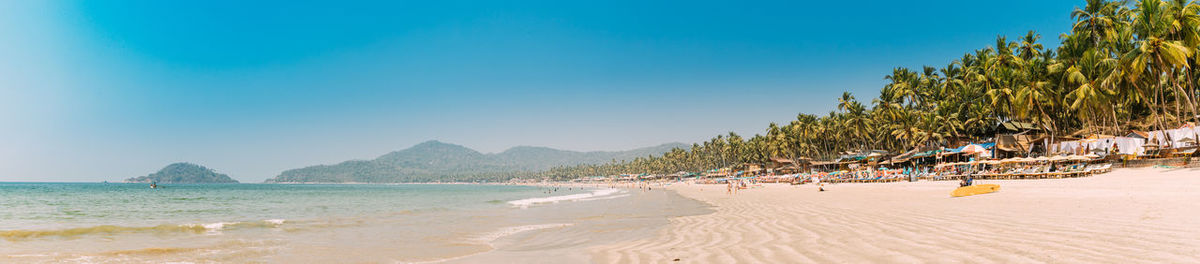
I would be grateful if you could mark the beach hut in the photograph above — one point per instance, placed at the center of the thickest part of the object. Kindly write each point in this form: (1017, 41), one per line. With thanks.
(1016, 138)
(1138, 134)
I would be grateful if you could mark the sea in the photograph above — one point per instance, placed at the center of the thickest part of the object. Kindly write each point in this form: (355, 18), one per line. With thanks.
(318, 223)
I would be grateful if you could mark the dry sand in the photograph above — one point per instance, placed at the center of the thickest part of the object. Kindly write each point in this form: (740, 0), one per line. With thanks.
(1128, 215)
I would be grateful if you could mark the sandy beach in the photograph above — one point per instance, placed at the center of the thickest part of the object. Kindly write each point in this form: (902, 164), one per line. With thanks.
(1126, 216)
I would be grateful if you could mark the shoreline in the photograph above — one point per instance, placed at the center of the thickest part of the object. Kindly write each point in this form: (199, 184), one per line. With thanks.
(626, 217)
(1128, 215)
(287, 225)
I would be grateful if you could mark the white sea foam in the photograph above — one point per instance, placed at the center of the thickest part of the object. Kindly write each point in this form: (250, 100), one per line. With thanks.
(605, 197)
(512, 230)
(523, 203)
(217, 226)
(213, 228)
(487, 238)
(27, 255)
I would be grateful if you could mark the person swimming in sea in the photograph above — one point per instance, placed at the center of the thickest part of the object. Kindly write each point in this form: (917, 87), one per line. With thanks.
(153, 185)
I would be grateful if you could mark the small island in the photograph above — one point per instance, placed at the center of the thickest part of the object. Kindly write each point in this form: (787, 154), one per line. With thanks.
(183, 172)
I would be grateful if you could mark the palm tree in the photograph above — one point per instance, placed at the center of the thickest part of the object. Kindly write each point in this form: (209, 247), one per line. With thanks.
(1096, 20)
(1120, 66)
(1154, 55)
(1185, 27)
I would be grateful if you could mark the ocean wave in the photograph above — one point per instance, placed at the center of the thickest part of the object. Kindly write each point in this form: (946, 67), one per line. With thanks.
(605, 197)
(13, 235)
(523, 203)
(512, 230)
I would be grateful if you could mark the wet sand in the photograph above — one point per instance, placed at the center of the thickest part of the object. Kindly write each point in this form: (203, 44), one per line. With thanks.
(1126, 216)
(634, 216)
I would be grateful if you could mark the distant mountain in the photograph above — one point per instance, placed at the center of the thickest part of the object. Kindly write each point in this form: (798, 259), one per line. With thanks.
(437, 161)
(184, 173)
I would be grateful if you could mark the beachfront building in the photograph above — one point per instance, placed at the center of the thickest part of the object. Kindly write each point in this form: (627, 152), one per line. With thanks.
(1016, 139)
(1103, 145)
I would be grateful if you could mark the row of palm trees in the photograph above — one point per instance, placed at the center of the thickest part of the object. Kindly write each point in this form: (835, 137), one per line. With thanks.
(1124, 65)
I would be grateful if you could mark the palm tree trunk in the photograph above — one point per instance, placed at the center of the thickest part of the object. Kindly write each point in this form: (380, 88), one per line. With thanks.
(1187, 99)
(1051, 127)
(1116, 123)
(1159, 98)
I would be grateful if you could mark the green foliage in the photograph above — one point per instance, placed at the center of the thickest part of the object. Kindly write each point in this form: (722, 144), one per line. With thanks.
(1124, 65)
(184, 173)
(434, 161)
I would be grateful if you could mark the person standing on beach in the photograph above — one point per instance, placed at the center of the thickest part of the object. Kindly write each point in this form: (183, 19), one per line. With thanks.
(817, 181)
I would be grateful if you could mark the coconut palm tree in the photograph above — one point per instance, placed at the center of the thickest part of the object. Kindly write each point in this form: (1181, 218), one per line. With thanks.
(1154, 58)
(1097, 21)
(1122, 65)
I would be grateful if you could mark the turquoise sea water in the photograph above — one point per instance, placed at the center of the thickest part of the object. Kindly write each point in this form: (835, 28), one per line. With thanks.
(67, 205)
(319, 223)
(309, 223)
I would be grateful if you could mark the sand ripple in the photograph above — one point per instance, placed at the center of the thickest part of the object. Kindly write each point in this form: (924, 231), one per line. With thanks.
(1128, 216)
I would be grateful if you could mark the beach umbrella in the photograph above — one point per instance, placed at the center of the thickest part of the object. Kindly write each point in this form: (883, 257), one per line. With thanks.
(1059, 158)
(972, 148)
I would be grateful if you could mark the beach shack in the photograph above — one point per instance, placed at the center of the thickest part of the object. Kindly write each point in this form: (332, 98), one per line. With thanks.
(1178, 142)
(1016, 139)
(1102, 145)
(827, 165)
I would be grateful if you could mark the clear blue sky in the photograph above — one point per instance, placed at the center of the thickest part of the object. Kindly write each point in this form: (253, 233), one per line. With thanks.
(105, 90)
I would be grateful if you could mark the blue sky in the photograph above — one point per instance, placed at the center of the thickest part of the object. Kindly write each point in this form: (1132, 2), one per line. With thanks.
(106, 90)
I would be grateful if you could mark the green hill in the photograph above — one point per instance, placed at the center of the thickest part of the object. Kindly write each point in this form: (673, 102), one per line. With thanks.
(436, 161)
(184, 173)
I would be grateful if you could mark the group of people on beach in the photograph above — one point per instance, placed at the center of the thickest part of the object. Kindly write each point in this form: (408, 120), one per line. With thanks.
(645, 186)
(732, 186)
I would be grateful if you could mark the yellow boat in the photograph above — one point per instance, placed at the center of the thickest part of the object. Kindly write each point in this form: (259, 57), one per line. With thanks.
(975, 189)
